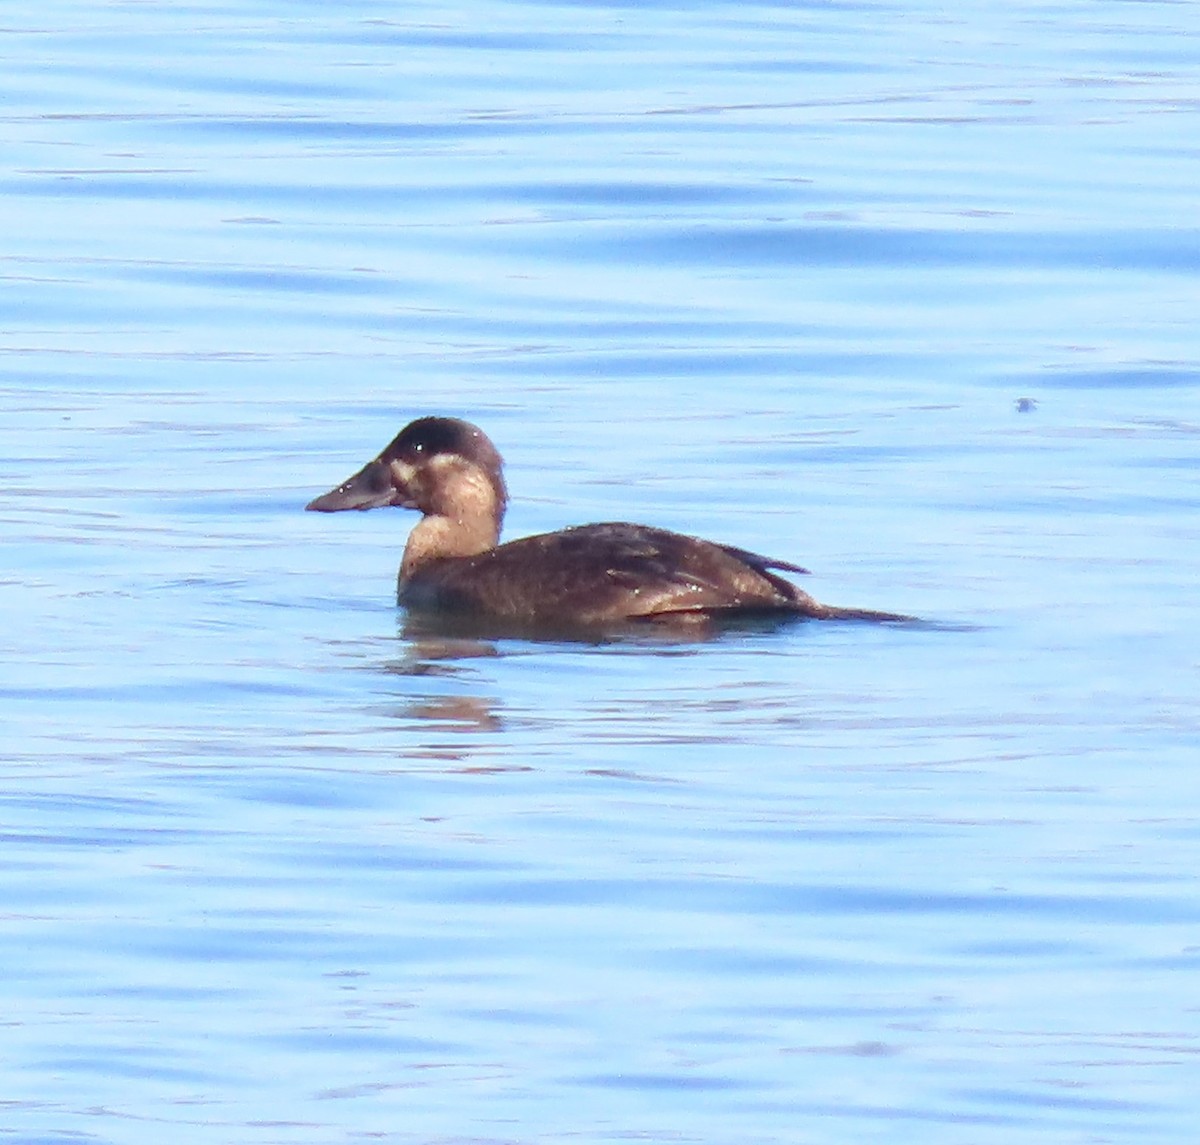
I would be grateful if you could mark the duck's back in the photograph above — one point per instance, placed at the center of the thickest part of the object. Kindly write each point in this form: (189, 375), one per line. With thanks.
(607, 574)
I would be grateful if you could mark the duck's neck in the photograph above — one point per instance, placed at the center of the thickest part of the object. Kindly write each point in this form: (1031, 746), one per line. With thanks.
(434, 538)
(462, 518)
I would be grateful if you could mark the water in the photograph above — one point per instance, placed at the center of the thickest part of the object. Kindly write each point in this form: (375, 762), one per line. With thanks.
(278, 869)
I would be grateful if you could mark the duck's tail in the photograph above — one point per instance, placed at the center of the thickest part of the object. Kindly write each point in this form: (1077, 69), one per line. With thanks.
(869, 615)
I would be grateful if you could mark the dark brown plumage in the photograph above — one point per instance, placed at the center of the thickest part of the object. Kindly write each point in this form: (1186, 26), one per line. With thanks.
(591, 576)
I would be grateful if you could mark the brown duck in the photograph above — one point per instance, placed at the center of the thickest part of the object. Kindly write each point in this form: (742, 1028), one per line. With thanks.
(601, 576)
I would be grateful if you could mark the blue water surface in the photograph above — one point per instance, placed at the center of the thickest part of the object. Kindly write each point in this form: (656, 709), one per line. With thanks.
(906, 294)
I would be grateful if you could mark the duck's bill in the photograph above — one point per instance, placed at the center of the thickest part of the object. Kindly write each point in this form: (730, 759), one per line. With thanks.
(370, 488)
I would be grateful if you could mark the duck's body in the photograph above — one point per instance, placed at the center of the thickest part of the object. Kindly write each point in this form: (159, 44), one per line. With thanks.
(591, 576)
(595, 574)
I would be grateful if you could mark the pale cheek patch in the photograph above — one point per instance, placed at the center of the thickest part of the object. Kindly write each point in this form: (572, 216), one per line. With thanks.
(404, 476)
(460, 489)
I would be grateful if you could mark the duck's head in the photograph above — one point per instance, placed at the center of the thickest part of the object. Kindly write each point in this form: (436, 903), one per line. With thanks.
(440, 465)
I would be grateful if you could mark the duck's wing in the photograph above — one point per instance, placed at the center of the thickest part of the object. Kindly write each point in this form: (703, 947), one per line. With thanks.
(758, 561)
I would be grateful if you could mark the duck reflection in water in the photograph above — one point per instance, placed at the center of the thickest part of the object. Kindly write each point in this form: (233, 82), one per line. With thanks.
(587, 581)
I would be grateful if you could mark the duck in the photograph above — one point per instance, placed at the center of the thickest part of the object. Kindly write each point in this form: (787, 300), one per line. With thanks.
(601, 576)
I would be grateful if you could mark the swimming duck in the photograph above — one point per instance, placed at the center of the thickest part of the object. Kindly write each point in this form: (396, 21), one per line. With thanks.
(590, 576)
